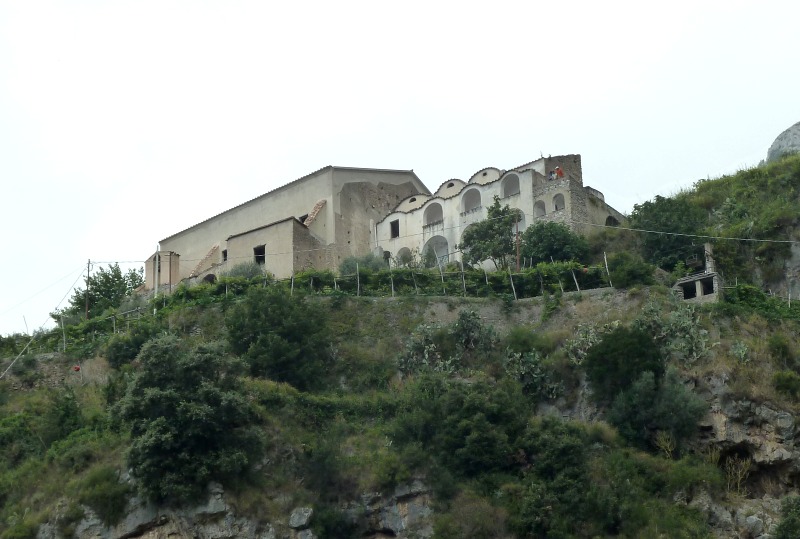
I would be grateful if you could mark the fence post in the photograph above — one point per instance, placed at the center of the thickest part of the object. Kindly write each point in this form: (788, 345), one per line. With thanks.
(510, 278)
(463, 281)
(391, 279)
(291, 290)
(607, 272)
(576, 281)
(416, 290)
(358, 281)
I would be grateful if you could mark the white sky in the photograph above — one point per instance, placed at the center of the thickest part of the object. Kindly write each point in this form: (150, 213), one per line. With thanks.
(122, 123)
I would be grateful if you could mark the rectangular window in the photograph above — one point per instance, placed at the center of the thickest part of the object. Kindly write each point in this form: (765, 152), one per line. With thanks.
(394, 227)
(224, 255)
(260, 254)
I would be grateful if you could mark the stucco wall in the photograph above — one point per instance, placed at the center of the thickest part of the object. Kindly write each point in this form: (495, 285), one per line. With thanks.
(292, 200)
(277, 240)
(533, 186)
(362, 199)
(354, 200)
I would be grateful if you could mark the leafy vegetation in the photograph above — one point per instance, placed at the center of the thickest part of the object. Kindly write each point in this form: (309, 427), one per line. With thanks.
(190, 420)
(105, 289)
(547, 241)
(292, 387)
(493, 238)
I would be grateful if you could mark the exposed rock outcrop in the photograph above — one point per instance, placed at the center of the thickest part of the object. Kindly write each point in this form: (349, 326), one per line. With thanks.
(405, 513)
(787, 142)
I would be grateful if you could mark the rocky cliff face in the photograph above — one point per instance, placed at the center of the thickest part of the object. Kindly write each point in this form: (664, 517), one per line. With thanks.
(787, 142)
(405, 513)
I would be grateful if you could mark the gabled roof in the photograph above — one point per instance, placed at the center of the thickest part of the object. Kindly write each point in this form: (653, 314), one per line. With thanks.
(297, 182)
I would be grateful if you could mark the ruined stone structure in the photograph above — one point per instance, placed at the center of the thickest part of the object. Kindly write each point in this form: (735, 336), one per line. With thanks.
(701, 287)
(548, 189)
(314, 221)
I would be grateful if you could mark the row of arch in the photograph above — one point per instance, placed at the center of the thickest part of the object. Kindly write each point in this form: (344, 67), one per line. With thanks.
(471, 200)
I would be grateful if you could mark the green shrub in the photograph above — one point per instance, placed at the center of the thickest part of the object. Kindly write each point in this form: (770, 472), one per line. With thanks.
(248, 270)
(789, 526)
(617, 361)
(280, 336)
(122, 348)
(627, 270)
(190, 420)
(470, 516)
(102, 490)
(782, 351)
(648, 408)
(788, 383)
(368, 262)
(523, 339)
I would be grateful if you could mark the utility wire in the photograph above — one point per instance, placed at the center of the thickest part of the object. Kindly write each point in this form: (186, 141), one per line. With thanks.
(641, 230)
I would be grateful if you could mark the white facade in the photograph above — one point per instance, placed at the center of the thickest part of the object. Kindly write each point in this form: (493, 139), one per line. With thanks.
(438, 221)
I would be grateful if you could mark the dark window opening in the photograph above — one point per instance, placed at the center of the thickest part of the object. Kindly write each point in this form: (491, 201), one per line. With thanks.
(303, 218)
(260, 254)
(689, 290)
(224, 255)
(394, 227)
(708, 286)
(450, 184)
(412, 199)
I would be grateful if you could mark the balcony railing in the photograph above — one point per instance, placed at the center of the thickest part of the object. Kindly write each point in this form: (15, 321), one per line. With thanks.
(476, 209)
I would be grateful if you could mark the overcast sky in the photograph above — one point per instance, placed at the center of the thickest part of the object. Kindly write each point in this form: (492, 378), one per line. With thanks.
(122, 123)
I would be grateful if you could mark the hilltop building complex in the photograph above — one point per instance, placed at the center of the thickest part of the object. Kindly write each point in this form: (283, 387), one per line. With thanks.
(337, 212)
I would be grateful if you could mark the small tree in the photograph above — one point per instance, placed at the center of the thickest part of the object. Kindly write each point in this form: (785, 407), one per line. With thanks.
(617, 361)
(649, 408)
(548, 240)
(106, 289)
(628, 269)
(493, 238)
(674, 215)
(789, 526)
(279, 336)
(190, 420)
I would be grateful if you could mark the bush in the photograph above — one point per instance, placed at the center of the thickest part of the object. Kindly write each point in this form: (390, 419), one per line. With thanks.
(782, 352)
(248, 270)
(547, 241)
(105, 494)
(280, 336)
(470, 516)
(190, 420)
(122, 348)
(617, 361)
(368, 262)
(627, 270)
(648, 409)
(788, 383)
(789, 526)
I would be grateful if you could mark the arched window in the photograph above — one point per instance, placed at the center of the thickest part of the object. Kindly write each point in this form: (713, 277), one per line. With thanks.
(471, 200)
(436, 249)
(611, 221)
(510, 185)
(404, 257)
(538, 209)
(433, 214)
(558, 202)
